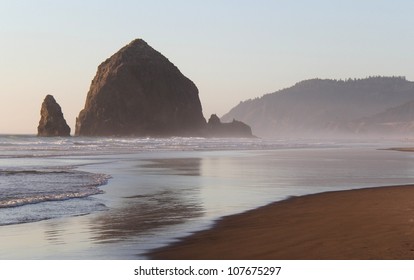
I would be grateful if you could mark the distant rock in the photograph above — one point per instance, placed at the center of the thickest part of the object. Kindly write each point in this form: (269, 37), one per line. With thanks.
(215, 128)
(52, 122)
(214, 121)
(323, 108)
(139, 92)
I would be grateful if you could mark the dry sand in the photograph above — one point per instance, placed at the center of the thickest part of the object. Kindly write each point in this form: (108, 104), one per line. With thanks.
(374, 223)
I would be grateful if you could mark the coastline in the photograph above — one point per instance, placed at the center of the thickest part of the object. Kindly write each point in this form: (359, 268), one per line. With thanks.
(370, 223)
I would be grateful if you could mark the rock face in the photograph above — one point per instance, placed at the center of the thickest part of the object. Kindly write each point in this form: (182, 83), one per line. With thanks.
(215, 128)
(52, 122)
(139, 92)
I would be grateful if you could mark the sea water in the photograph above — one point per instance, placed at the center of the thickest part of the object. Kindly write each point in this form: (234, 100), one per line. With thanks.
(117, 198)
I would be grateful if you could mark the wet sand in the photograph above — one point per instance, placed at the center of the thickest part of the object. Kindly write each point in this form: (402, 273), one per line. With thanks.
(372, 223)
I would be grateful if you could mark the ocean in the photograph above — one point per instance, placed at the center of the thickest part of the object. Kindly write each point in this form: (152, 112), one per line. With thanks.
(117, 198)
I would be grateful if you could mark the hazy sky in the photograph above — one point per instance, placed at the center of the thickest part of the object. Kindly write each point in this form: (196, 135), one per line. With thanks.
(232, 50)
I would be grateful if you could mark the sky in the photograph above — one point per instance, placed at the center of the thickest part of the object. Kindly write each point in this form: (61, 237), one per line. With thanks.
(232, 50)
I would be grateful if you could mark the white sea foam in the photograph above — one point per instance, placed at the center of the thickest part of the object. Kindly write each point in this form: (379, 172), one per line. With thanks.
(31, 186)
(21, 187)
(31, 146)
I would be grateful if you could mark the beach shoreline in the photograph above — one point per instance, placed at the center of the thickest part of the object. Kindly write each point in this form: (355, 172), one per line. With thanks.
(359, 224)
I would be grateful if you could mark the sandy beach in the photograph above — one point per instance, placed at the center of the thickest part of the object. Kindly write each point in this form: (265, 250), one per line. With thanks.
(372, 223)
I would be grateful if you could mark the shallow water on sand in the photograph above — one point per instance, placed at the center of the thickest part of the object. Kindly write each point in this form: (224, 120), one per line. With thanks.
(154, 196)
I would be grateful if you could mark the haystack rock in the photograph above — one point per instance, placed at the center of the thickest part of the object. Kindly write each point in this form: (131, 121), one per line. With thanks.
(216, 128)
(139, 92)
(52, 122)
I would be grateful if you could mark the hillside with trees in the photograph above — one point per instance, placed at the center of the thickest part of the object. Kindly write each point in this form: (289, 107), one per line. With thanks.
(375, 106)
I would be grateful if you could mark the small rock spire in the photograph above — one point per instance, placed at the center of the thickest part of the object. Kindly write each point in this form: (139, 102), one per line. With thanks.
(52, 122)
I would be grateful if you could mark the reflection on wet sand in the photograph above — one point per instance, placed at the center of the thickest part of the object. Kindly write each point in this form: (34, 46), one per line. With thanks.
(54, 233)
(141, 214)
(178, 166)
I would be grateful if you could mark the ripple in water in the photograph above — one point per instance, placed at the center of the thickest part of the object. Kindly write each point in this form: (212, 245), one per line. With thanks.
(28, 195)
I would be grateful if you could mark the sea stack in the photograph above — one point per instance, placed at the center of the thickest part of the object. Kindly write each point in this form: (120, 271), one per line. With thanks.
(139, 92)
(52, 122)
(215, 128)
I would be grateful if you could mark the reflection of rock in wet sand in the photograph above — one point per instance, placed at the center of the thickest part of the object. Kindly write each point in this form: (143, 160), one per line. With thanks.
(180, 166)
(54, 233)
(143, 214)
